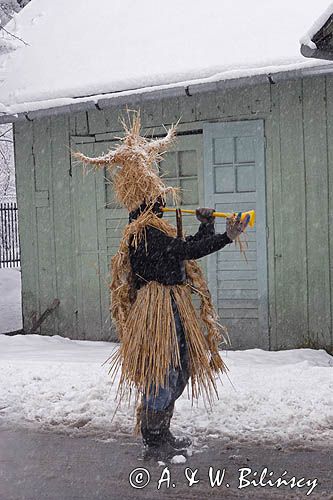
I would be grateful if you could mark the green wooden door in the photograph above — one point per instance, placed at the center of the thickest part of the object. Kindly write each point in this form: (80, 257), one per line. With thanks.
(235, 181)
(92, 292)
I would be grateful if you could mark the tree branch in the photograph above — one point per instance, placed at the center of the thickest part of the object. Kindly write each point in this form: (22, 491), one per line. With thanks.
(14, 36)
(5, 132)
(4, 157)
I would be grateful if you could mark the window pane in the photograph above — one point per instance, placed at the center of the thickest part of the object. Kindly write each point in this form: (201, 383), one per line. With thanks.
(168, 166)
(224, 179)
(187, 163)
(223, 151)
(246, 178)
(244, 149)
(189, 191)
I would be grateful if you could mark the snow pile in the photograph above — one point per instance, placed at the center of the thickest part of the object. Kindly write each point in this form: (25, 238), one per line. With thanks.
(57, 383)
(178, 459)
(10, 300)
(316, 26)
(89, 48)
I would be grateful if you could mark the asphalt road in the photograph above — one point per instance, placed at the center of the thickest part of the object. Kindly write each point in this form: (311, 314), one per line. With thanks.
(40, 466)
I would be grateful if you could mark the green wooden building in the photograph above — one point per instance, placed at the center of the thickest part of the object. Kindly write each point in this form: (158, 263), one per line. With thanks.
(262, 142)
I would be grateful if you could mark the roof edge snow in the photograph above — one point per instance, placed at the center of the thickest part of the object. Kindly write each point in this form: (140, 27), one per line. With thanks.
(311, 45)
(140, 96)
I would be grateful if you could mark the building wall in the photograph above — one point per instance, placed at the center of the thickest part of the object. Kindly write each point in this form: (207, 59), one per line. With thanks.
(298, 124)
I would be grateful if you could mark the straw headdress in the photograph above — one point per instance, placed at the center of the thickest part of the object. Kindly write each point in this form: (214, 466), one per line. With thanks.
(133, 165)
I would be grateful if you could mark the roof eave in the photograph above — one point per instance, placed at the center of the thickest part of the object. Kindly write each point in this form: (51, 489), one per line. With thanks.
(306, 51)
(139, 96)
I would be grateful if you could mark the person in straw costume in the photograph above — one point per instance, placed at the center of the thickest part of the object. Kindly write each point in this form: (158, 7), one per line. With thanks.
(164, 342)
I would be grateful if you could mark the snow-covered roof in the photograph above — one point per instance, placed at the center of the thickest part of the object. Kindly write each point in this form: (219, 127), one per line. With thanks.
(88, 50)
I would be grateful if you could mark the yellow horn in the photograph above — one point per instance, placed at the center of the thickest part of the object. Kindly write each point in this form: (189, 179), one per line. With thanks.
(251, 213)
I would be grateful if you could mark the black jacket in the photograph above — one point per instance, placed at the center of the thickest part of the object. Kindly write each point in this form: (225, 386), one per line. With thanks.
(161, 258)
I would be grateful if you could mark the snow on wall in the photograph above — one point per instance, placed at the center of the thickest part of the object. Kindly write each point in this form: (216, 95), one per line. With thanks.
(88, 48)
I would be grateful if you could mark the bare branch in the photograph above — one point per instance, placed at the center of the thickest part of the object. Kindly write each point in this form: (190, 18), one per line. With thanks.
(3, 156)
(6, 132)
(14, 36)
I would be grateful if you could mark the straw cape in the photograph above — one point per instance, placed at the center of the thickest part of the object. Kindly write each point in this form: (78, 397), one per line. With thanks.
(144, 318)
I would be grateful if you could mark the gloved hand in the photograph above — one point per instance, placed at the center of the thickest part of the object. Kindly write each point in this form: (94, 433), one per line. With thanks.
(235, 226)
(205, 215)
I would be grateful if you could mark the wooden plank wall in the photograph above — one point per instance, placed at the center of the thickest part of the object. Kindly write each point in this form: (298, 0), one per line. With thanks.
(291, 267)
(301, 249)
(298, 118)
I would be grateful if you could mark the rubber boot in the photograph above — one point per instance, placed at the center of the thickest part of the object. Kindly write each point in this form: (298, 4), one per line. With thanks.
(177, 443)
(153, 426)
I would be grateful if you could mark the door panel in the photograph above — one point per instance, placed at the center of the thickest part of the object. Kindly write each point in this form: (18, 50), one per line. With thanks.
(92, 310)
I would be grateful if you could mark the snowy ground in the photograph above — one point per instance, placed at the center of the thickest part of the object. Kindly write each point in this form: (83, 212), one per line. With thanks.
(58, 384)
(10, 300)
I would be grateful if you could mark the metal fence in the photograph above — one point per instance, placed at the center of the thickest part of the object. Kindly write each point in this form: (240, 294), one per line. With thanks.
(9, 238)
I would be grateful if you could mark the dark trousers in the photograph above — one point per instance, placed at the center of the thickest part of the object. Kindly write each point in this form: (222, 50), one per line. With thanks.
(177, 378)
